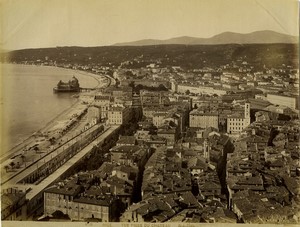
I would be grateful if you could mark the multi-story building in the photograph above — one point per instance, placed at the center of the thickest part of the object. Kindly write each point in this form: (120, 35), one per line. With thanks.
(202, 119)
(237, 121)
(118, 115)
(13, 205)
(170, 134)
(158, 118)
(153, 98)
(120, 91)
(149, 112)
(289, 101)
(198, 89)
(132, 155)
(93, 115)
(103, 103)
(68, 199)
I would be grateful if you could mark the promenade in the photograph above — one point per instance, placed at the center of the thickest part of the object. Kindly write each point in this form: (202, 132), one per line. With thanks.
(36, 189)
(12, 178)
(34, 192)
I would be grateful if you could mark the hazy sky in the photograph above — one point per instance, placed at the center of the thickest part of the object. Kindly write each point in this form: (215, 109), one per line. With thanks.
(50, 23)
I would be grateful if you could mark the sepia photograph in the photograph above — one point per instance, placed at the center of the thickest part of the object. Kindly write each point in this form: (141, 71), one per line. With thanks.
(140, 113)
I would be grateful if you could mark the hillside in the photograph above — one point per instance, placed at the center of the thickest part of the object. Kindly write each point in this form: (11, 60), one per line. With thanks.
(223, 38)
(186, 56)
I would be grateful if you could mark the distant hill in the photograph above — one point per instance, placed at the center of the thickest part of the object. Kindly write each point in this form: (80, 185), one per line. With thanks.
(186, 56)
(223, 38)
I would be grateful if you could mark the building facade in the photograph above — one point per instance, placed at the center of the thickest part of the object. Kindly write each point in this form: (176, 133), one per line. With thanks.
(201, 119)
(236, 122)
(118, 115)
(13, 205)
(103, 103)
(68, 201)
(282, 100)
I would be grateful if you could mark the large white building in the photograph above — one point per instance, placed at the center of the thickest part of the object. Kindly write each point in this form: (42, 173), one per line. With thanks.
(198, 89)
(288, 101)
(236, 122)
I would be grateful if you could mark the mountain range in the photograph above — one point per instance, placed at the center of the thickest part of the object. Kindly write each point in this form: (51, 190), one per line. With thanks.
(257, 37)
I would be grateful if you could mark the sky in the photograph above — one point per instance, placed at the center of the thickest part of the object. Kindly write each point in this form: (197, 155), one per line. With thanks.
(51, 23)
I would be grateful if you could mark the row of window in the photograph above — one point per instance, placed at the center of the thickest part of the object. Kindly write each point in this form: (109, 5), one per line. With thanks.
(236, 119)
(236, 123)
(235, 128)
(205, 117)
(112, 112)
(115, 117)
(115, 121)
(86, 206)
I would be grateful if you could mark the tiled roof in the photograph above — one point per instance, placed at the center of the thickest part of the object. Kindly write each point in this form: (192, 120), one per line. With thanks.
(125, 149)
(128, 140)
(71, 189)
(10, 199)
(100, 200)
(189, 199)
(209, 186)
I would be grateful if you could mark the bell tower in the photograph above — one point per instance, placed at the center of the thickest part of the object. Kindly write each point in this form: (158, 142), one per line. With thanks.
(247, 110)
(206, 149)
(247, 115)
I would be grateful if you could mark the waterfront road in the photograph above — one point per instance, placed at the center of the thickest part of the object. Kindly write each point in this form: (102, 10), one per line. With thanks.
(15, 177)
(34, 190)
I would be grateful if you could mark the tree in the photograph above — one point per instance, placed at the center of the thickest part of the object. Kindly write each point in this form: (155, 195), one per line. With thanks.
(6, 167)
(12, 164)
(187, 92)
(162, 87)
(23, 157)
(117, 83)
(60, 215)
(36, 149)
(52, 140)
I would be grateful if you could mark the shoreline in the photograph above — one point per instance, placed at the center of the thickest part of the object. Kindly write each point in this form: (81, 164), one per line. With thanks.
(17, 148)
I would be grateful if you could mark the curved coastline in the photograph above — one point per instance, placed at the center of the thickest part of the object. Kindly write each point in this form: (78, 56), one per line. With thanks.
(11, 151)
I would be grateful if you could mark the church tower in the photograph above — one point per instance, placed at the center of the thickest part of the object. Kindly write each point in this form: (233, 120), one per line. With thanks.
(247, 115)
(247, 110)
(206, 150)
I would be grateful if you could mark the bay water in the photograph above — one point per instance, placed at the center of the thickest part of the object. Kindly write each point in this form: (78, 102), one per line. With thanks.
(28, 102)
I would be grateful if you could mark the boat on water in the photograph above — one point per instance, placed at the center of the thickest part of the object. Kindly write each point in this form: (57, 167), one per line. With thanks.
(70, 86)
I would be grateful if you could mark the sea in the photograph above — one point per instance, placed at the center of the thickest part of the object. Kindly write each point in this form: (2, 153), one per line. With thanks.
(28, 102)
